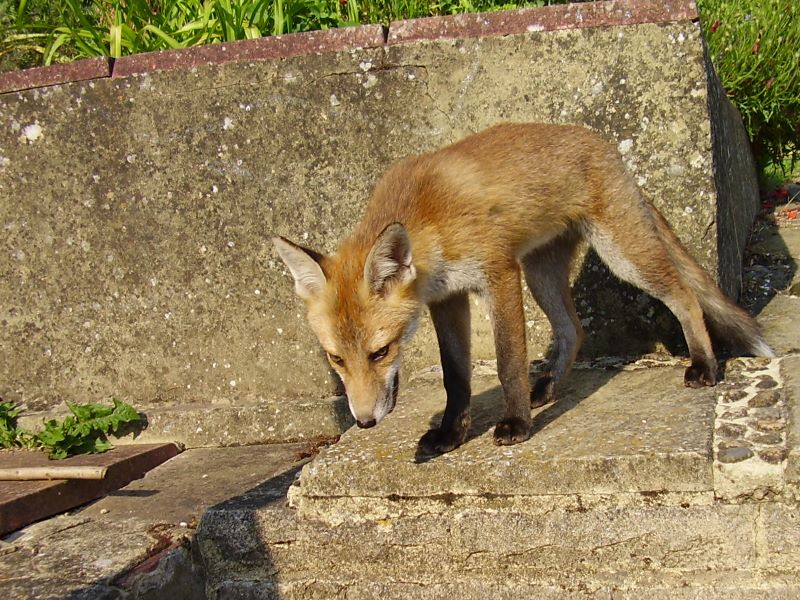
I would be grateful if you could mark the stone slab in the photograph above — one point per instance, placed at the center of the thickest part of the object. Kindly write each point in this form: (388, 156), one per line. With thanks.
(610, 432)
(547, 18)
(265, 48)
(478, 589)
(39, 77)
(790, 369)
(778, 322)
(135, 543)
(23, 502)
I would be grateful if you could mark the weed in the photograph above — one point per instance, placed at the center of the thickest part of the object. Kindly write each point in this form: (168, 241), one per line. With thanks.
(85, 431)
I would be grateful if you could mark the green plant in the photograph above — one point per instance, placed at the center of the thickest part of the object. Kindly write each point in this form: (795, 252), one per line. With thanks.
(85, 431)
(8, 425)
(755, 47)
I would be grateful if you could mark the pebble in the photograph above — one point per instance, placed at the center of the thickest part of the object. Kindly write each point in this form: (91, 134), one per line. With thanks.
(734, 454)
(731, 430)
(772, 413)
(724, 445)
(764, 398)
(735, 395)
(766, 383)
(773, 455)
(768, 439)
(736, 413)
(770, 425)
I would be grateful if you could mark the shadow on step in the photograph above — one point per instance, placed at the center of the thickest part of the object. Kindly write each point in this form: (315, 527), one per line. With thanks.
(487, 407)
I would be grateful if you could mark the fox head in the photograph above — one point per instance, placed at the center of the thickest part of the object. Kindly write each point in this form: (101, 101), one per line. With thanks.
(363, 306)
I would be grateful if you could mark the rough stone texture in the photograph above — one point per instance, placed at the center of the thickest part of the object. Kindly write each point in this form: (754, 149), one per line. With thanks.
(603, 436)
(136, 543)
(778, 280)
(649, 552)
(143, 269)
(736, 182)
(365, 520)
(654, 525)
(790, 369)
(749, 441)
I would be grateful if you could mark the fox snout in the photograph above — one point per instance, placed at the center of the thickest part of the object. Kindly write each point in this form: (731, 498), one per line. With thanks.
(370, 413)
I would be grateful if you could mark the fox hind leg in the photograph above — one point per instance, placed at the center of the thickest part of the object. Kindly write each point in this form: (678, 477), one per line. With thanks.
(646, 263)
(547, 275)
(508, 321)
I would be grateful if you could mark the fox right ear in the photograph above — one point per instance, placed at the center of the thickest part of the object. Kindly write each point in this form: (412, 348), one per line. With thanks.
(309, 280)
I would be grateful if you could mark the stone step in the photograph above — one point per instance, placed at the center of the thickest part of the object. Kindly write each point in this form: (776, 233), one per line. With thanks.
(621, 492)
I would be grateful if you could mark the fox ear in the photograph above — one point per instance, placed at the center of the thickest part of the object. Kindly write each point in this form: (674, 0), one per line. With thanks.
(309, 280)
(389, 262)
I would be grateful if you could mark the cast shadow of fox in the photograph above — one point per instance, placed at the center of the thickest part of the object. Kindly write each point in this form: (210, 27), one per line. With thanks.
(487, 407)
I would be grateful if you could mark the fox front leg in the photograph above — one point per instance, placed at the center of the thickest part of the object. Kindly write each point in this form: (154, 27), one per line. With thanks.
(452, 323)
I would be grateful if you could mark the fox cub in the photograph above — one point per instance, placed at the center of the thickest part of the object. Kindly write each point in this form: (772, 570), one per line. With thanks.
(471, 217)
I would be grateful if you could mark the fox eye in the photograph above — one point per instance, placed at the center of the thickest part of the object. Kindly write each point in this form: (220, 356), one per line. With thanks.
(336, 359)
(379, 354)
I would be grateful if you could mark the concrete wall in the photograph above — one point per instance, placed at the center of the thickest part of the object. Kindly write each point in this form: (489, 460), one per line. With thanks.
(137, 199)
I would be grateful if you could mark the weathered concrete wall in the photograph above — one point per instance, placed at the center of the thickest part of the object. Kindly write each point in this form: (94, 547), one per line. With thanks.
(137, 209)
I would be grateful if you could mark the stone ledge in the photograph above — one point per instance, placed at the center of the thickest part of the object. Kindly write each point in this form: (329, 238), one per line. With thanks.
(547, 18)
(268, 422)
(39, 77)
(265, 48)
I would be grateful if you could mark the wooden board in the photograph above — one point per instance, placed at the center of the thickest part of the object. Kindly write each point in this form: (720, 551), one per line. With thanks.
(23, 502)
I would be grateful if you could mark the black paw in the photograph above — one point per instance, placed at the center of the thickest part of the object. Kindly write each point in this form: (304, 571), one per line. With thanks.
(543, 392)
(511, 430)
(439, 441)
(700, 375)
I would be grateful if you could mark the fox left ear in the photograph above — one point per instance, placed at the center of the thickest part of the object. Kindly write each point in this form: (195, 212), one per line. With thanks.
(309, 280)
(389, 262)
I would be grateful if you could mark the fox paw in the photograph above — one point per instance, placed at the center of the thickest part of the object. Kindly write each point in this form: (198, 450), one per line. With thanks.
(511, 430)
(543, 392)
(439, 441)
(700, 375)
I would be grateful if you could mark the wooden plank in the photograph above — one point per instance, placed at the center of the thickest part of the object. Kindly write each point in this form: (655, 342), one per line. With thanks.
(23, 502)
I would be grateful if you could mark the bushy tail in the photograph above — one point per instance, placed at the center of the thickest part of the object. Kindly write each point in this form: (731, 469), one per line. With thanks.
(729, 322)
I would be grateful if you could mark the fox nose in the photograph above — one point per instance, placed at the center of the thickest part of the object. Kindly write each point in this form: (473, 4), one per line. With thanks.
(366, 424)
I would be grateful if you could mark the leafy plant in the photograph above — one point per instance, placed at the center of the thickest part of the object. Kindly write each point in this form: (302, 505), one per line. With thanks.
(85, 431)
(755, 47)
(8, 424)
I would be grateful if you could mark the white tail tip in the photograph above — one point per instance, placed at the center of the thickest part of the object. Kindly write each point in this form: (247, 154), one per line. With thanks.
(761, 348)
